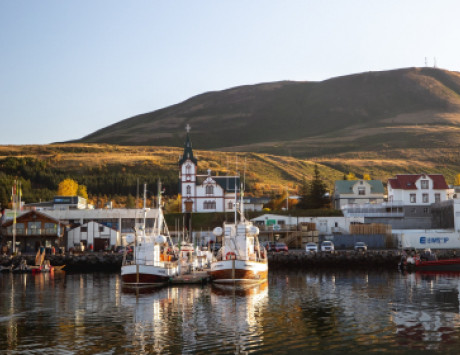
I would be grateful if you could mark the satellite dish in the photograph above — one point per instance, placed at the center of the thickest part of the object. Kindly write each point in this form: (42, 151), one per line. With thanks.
(160, 239)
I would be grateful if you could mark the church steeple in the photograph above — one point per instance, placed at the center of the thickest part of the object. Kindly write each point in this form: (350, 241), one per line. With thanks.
(188, 151)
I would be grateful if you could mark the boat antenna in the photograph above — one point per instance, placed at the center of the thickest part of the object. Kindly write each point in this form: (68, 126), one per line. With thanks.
(145, 209)
(235, 186)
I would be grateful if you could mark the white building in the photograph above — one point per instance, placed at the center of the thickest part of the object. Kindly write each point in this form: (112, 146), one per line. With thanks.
(351, 192)
(98, 235)
(324, 225)
(204, 193)
(418, 189)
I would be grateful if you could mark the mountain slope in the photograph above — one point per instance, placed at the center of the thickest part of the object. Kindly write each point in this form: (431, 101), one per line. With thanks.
(405, 108)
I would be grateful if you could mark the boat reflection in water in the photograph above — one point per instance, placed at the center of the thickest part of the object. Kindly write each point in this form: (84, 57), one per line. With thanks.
(238, 310)
(416, 318)
(180, 319)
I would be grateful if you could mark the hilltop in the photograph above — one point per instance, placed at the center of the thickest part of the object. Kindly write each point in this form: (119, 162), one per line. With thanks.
(377, 123)
(402, 109)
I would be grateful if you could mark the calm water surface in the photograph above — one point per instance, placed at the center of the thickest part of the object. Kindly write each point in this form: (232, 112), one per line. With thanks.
(293, 312)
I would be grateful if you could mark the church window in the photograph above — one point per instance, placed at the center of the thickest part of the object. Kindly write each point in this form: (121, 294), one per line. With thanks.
(189, 190)
(209, 190)
(209, 205)
(188, 169)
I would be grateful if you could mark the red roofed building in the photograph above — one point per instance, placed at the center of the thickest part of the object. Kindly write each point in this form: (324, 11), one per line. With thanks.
(417, 189)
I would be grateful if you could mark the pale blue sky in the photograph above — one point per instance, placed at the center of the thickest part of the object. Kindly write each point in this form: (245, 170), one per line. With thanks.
(70, 67)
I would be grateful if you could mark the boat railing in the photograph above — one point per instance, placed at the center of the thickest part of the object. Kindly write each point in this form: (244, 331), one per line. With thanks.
(171, 264)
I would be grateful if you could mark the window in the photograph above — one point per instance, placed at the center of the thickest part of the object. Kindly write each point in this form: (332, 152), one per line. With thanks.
(413, 210)
(230, 205)
(413, 198)
(425, 198)
(20, 229)
(101, 229)
(209, 189)
(209, 205)
(424, 184)
(50, 228)
(426, 210)
(34, 228)
(84, 229)
(437, 197)
(188, 169)
(189, 190)
(361, 190)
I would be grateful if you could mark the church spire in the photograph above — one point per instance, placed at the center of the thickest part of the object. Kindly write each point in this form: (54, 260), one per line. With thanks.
(188, 151)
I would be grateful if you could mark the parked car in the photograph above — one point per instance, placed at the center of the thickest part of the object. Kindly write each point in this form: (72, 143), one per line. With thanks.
(311, 247)
(275, 246)
(121, 249)
(360, 246)
(281, 247)
(327, 246)
(269, 246)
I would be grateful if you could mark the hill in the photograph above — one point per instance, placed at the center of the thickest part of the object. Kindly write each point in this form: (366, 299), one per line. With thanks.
(111, 172)
(411, 108)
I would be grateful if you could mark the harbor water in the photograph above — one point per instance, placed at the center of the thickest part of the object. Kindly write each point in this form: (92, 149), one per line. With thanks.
(352, 311)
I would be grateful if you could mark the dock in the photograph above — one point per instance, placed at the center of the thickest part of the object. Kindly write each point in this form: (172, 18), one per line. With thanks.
(195, 277)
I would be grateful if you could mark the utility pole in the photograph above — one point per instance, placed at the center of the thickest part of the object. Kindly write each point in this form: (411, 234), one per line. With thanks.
(287, 199)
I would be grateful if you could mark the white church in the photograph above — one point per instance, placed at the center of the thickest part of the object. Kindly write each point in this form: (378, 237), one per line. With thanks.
(204, 193)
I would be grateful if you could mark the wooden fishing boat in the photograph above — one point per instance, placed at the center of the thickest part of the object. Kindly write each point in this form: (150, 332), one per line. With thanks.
(150, 265)
(241, 260)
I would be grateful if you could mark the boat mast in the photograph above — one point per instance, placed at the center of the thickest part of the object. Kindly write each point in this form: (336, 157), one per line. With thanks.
(14, 193)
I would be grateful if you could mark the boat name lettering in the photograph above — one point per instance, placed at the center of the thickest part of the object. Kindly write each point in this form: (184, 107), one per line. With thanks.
(434, 240)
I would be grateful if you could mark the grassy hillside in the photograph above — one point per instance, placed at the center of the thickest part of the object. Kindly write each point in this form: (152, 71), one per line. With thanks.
(111, 172)
(400, 109)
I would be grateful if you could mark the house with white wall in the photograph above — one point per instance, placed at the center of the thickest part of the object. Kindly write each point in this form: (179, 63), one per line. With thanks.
(410, 200)
(418, 189)
(353, 192)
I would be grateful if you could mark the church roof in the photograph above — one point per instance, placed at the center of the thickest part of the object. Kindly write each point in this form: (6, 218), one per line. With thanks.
(188, 152)
(228, 183)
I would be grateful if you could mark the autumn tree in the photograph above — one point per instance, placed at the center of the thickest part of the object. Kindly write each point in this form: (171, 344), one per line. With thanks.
(68, 187)
(457, 180)
(351, 176)
(81, 191)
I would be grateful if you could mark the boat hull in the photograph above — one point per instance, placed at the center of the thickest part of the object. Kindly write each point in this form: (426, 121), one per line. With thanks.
(238, 272)
(146, 275)
(438, 265)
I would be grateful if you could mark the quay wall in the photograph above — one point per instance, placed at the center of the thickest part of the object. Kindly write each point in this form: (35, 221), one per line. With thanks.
(295, 259)
(338, 259)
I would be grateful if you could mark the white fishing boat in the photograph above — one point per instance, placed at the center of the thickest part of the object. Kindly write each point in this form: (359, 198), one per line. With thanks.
(152, 263)
(241, 260)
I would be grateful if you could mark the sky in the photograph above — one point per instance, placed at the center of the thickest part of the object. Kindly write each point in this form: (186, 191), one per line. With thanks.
(69, 68)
